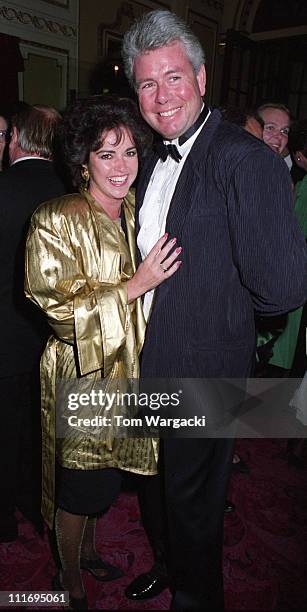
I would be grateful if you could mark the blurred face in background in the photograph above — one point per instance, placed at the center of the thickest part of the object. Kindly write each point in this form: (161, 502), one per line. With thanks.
(3, 130)
(276, 128)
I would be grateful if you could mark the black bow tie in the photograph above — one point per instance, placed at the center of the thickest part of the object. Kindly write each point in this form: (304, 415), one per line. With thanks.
(164, 150)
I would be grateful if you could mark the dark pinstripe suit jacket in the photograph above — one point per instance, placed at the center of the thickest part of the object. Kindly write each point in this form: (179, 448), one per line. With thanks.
(232, 212)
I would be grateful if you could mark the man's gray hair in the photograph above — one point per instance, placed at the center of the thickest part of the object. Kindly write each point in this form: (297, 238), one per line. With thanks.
(36, 129)
(155, 30)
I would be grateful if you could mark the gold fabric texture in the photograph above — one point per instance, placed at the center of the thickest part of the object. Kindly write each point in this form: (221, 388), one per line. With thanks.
(78, 263)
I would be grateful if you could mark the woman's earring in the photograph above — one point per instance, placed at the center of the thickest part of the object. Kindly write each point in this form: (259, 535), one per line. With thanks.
(85, 177)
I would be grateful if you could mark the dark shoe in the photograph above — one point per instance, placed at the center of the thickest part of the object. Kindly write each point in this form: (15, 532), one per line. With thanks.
(90, 565)
(229, 507)
(75, 603)
(240, 467)
(147, 585)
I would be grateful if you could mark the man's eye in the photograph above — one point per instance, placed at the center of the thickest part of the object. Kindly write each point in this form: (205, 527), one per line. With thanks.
(285, 131)
(174, 78)
(147, 85)
(269, 128)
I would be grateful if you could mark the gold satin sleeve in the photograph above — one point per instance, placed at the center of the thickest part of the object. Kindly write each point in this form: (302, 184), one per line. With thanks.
(95, 316)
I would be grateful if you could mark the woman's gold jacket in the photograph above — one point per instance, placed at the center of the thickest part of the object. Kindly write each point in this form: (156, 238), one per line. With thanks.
(78, 263)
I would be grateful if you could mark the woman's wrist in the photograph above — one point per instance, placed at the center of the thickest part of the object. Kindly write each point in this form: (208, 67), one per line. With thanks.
(133, 290)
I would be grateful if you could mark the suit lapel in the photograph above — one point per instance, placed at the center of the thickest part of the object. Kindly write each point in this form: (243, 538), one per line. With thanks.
(192, 177)
(190, 181)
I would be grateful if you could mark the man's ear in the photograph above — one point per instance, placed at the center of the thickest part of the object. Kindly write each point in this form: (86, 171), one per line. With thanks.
(13, 145)
(201, 79)
(14, 135)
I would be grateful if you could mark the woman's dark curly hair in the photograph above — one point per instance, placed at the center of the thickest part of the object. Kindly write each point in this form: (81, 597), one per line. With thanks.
(88, 118)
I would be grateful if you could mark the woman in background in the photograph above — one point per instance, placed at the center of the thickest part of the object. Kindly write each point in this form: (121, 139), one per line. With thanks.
(285, 345)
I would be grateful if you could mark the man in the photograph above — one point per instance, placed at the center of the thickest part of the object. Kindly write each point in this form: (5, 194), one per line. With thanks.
(276, 127)
(30, 180)
(219, 198)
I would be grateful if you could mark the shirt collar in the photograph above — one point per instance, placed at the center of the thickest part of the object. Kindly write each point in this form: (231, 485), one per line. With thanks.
(191, 134)
(29, 157)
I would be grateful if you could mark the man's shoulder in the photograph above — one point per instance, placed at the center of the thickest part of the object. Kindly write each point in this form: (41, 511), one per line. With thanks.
(7, 176)
(29, 170)
(24, 186)
(234, 141)
(36, 168)
(11, 183)
(22, 165)
(235, 148)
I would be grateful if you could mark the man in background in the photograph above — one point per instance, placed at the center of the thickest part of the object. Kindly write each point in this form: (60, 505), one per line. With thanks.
(30, 179)
(3, 138)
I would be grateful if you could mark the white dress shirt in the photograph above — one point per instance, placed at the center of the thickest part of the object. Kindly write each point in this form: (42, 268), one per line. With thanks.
(157, 201)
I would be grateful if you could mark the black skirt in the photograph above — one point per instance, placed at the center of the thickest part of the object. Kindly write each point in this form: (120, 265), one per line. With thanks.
(87, 492)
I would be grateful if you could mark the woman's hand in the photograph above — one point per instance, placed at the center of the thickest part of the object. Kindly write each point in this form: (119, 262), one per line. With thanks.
(156, 268)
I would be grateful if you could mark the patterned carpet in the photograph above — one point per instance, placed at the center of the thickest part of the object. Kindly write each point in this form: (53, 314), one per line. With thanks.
(265, 558)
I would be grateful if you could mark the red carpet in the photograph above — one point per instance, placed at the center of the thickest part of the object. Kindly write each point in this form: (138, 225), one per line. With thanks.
(265, 554)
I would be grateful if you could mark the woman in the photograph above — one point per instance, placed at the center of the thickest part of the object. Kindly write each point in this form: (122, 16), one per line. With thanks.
(80, 270)
(284, 348)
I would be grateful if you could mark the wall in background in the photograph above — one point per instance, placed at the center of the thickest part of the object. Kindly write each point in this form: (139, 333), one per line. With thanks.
(102, 29)
(48, 40)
